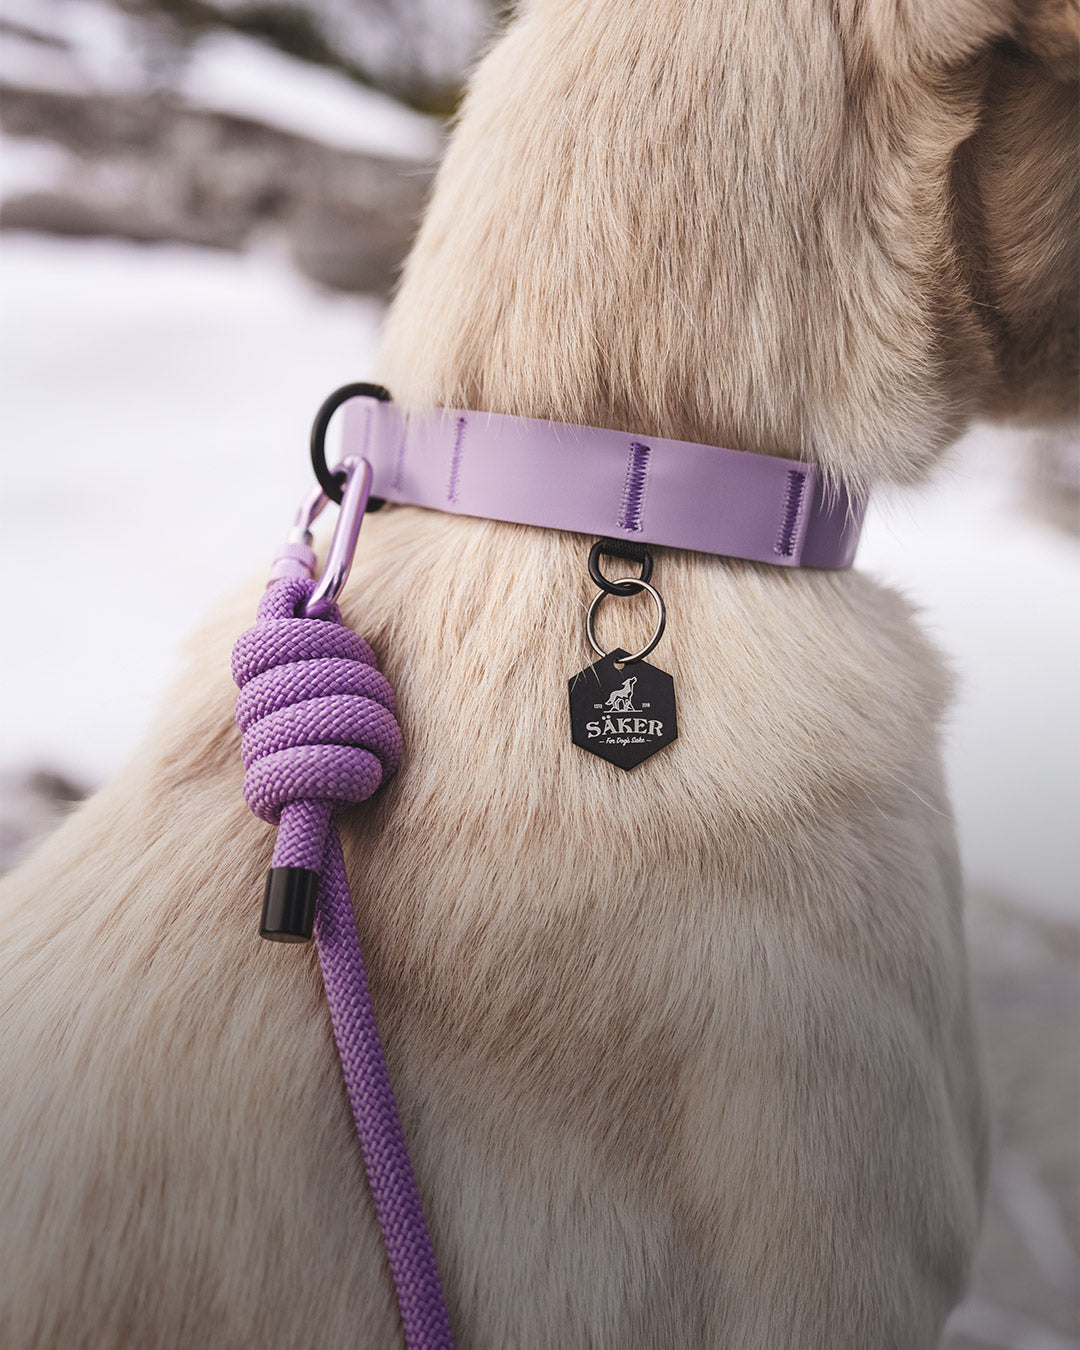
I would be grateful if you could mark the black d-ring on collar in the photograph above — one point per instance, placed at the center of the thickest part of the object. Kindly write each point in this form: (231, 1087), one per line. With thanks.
(328, 481)
(619, 548)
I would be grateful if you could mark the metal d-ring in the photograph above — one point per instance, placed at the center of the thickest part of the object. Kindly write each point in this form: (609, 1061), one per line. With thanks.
(332, 483)
(661, 618)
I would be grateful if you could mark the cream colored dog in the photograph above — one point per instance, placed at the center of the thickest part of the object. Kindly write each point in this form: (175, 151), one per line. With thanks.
(684, 1056)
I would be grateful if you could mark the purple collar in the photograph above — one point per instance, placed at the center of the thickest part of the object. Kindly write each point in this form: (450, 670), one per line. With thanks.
(604, 483)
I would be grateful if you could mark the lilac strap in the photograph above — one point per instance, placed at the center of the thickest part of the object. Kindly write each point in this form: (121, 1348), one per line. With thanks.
(605, 483)
(319, 733)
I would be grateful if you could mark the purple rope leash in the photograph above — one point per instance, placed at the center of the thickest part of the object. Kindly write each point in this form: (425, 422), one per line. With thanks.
(319, 733)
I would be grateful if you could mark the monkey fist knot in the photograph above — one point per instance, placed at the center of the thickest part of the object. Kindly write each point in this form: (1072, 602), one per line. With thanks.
(317, 715)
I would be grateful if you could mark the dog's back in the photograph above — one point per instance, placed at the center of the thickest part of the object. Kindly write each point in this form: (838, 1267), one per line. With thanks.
(684, 1056)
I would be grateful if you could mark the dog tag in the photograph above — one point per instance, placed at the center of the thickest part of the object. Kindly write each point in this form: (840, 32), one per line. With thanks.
(625, 713)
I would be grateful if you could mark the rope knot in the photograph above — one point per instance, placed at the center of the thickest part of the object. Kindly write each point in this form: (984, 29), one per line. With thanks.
(317, 715)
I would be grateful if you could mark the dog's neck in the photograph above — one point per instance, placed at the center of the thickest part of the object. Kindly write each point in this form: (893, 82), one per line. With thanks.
(683, 227)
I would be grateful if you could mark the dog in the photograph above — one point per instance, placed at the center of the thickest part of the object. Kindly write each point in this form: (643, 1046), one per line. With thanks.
(684, 1056)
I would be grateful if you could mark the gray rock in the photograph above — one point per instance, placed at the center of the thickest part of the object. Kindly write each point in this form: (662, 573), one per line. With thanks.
(147, 169)
(33, 802)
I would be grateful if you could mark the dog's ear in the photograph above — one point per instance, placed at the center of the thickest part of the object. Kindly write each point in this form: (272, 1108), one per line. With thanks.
(1015, 182)
(1019, 203)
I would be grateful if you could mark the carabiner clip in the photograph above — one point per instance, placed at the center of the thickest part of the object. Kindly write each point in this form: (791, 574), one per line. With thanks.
(339, 560)
(295, 558)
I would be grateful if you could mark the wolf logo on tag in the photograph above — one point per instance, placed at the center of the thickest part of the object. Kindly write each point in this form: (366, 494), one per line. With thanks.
(621, 699)
(623, 715)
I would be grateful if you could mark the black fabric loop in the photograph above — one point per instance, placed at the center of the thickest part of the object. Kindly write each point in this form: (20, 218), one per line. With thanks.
(619, 548)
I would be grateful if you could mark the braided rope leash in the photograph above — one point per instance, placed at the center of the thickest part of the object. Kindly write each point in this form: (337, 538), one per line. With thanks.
(319, 734)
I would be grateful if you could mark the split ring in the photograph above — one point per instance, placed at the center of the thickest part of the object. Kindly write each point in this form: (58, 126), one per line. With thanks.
(658, 632)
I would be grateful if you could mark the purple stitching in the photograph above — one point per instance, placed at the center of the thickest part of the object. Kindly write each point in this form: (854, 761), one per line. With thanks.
(789, 516)
(455, 463)
(399, 462)
(633, 497)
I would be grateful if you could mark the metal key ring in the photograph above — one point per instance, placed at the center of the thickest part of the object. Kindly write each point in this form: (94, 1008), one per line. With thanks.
(332, 483)
(661, 619)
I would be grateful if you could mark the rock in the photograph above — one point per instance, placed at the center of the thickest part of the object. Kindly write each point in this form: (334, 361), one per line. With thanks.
(353, 234)
(145, 169)
(217, 139)
(32, 803)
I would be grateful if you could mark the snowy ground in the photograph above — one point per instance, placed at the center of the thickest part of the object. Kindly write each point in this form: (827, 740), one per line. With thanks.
(998, 590)
(157, 402)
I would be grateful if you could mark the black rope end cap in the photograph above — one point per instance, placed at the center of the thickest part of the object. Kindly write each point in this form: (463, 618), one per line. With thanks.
(289, 904)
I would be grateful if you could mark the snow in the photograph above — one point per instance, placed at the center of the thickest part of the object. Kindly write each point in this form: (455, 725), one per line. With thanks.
(89, 47)
(157, 407)
(86, 46)
(30, 164)
(997, 590)
(231, 74)
(30, 64)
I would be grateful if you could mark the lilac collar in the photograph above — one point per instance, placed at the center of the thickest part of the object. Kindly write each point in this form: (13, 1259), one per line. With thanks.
(604, 483)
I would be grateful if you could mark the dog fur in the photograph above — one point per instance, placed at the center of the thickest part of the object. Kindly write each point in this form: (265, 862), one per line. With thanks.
(684, 1056)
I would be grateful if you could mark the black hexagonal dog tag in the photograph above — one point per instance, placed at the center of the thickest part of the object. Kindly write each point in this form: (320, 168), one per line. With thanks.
(623, 714)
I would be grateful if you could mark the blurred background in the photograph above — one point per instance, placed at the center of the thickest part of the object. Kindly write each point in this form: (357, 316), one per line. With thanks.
(203, 207)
